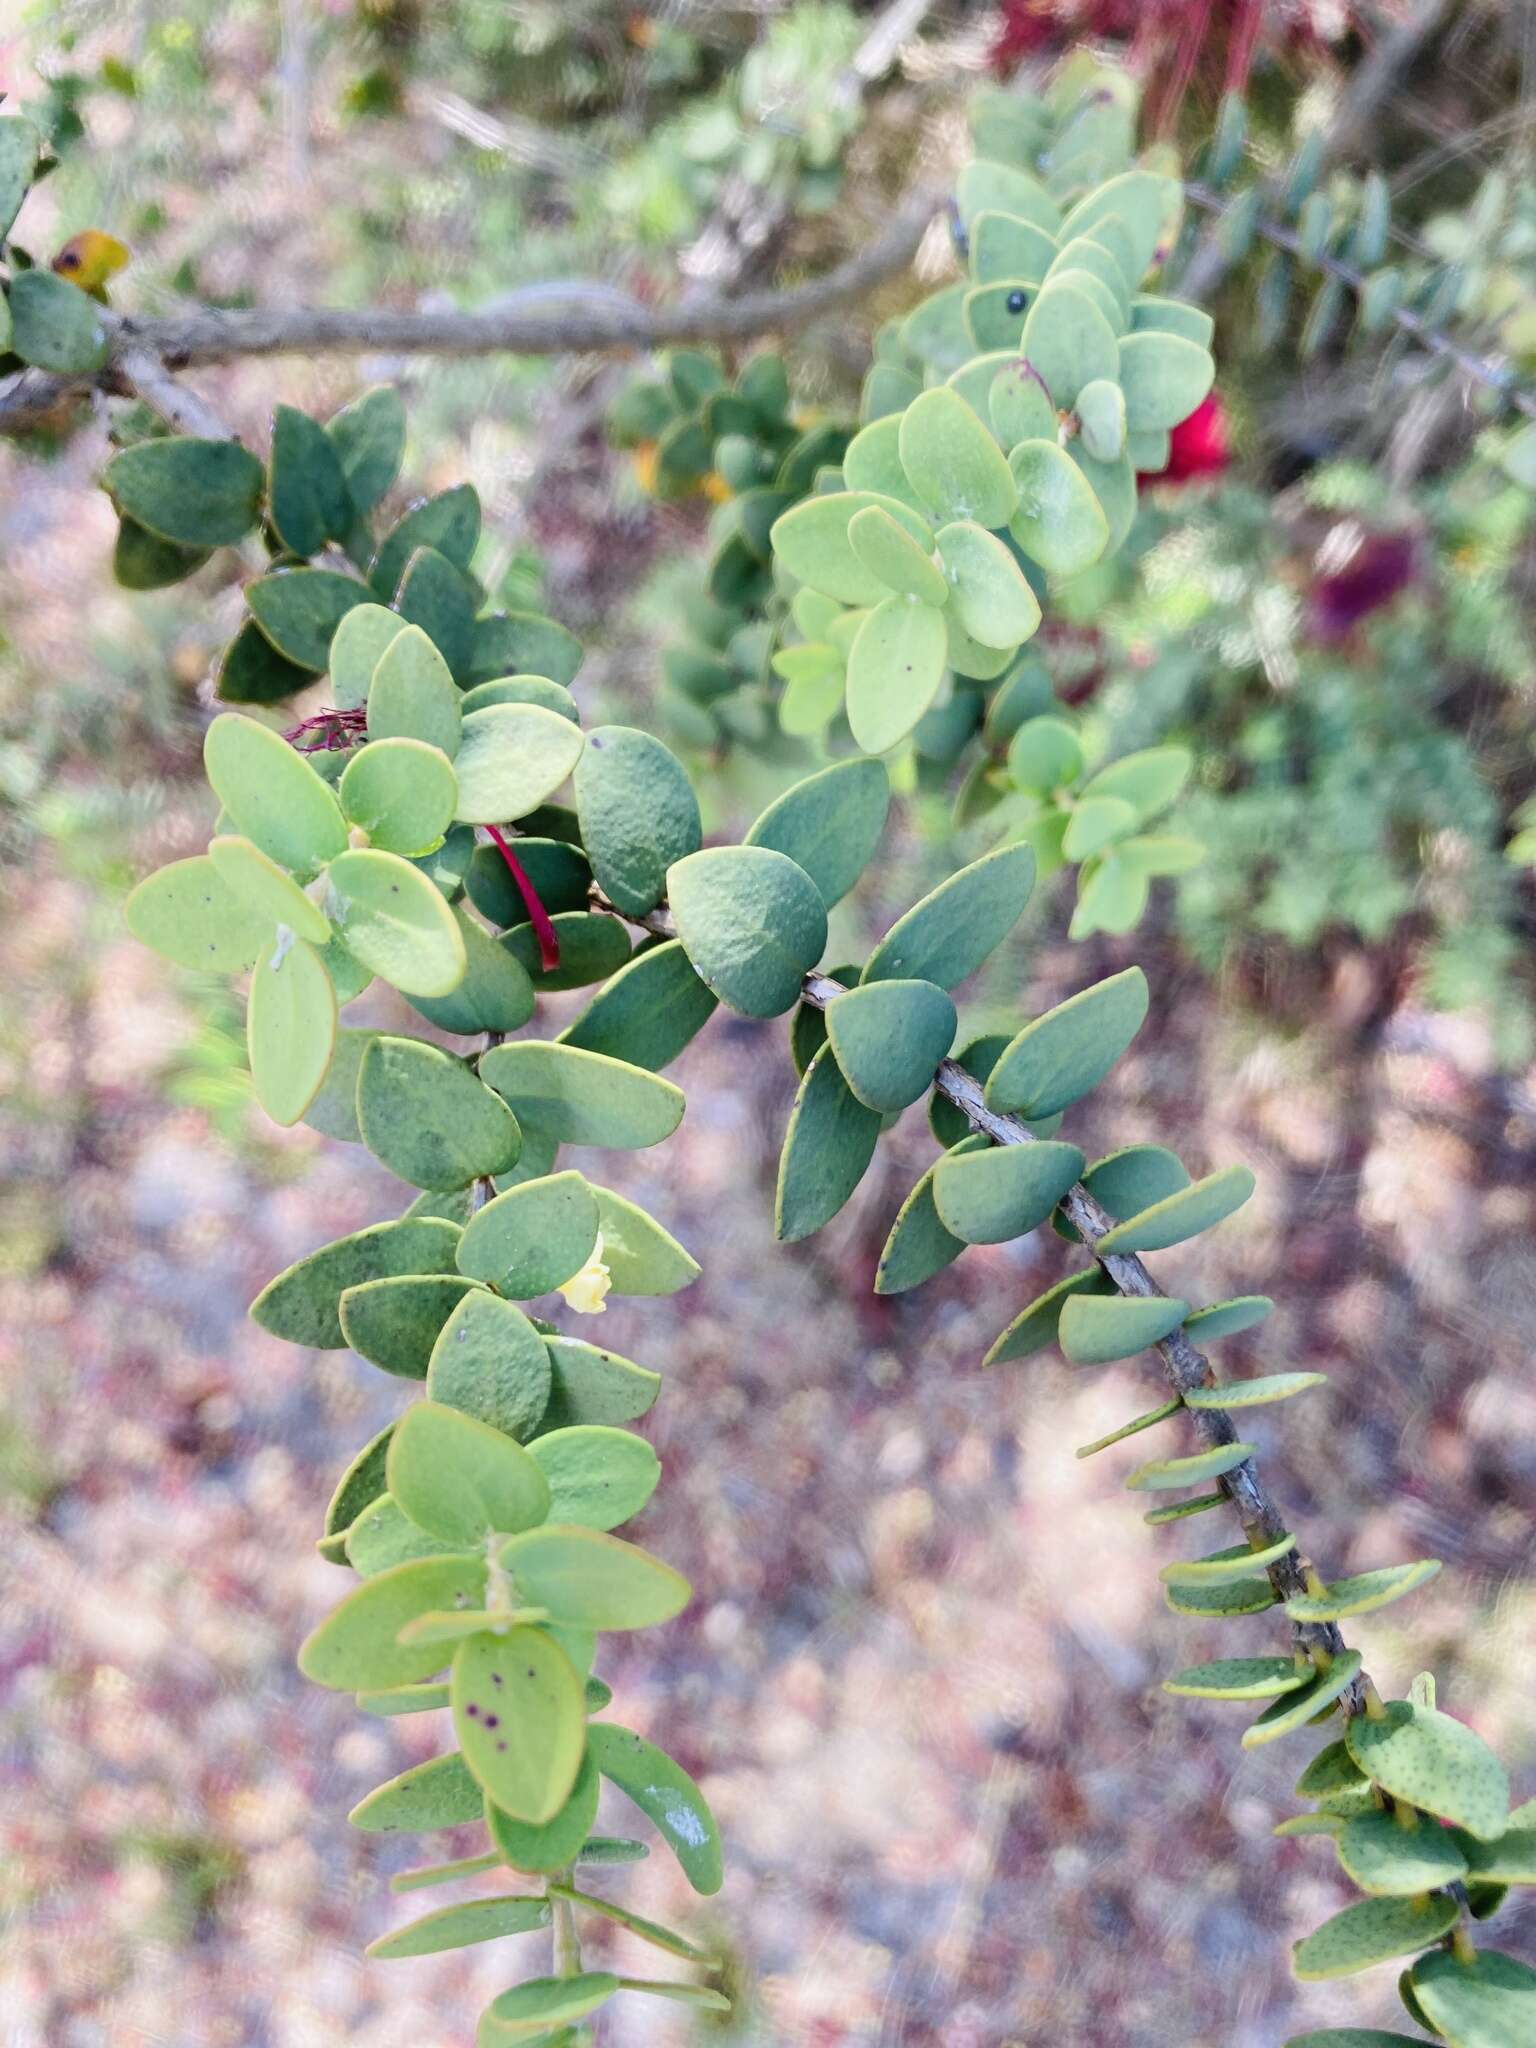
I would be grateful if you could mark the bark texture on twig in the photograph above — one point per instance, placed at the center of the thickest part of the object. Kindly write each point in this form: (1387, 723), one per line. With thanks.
(544, 320)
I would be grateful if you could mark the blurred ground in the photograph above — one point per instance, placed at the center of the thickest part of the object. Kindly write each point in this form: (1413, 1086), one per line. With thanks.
(920, 1675)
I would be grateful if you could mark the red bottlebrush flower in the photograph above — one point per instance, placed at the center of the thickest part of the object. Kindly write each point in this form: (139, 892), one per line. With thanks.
(1197, 446)
(1358, 579)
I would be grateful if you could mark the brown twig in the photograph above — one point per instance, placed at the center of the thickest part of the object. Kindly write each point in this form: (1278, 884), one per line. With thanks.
(592, 319)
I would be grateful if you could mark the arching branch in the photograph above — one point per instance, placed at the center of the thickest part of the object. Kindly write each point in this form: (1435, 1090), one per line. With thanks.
(541, 320)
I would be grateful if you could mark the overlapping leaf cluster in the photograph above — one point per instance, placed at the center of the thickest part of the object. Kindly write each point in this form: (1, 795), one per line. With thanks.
(744, 443)
(46, 321)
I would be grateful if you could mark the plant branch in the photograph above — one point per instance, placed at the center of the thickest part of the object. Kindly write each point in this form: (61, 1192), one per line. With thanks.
(1496, 377)
(1184, 1367)
(532, 322)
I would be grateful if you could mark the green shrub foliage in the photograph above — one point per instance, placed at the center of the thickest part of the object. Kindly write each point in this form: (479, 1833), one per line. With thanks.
(419, 832)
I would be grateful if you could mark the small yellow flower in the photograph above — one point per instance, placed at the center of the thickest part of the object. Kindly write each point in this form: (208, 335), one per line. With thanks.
(587, 1291)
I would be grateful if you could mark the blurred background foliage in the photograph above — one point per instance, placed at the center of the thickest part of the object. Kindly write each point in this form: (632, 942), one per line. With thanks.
(1325, 597)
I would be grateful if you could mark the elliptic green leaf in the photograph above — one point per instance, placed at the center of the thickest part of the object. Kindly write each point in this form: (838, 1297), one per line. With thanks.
(1391, 1861)
(1101, 419)
(888, 1037)
(895, 668)
(308, 500)
(812, 542)
(1145, 203)
(553, 1844)
(953, 462)
(437, 1794)
(1182, 1215)
(383, 1536)
(651, 1009)
(391, 1700)
(1036, 1326)
(1001, 1193)
(1243, 1596)
(583, 1098)
(592, 946)
(1058, 520)
(141, 560)
(449, 523)
(272, 795)
(638, 814)
(198, 493)
(1487, 2003)
(1113, 484)
(753, 923)
(829, 824)
(648, 1930)
(1020, 407)
(1254, 1393)
(490, 1362)
(1509, 1860)
(355, 1648)
(460, 1926)
(460, 1479)
(357, 647)
(362, 1483)
(301, 1304)
(1226, 1318)
(1163, 1474)
(56, 326)
(667, 1796)
(641, 1257)
(402, 793)
(395, 1322)
(411, 693)
(521, 643)
(990, 596)
(395, 922)
(919, 1245)
(1127, 1181)
(872, 463)
(531, 2011)
(1364, 1593)
(1044, 755)
(523, 690)
(290, 1027)
(19, 146)
(1164, 378)
(520, 1714)
(589, 1384)
(511, 758)
(369, 438)
(889, 552)
(534, 1237)
(299, 610)
(1286, 1715)
(986, 187)
(1068, 342)
(188, 913)
(265, 890)
(1004, 245)
(1223, 1566)
(1055, 1060)
(423, 1113)
(1148, 780)
(1096, 1329)
(1240, 1678)
(1172, 316)
(828, 1144)
(496, 993)
(948, 934)
(1333, 1769)
(598, 1477)
(589, 1580)
(1372, 1931)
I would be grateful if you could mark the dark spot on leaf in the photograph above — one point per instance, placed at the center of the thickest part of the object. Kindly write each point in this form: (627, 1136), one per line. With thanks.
(1016, 302)
(472, 1710)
